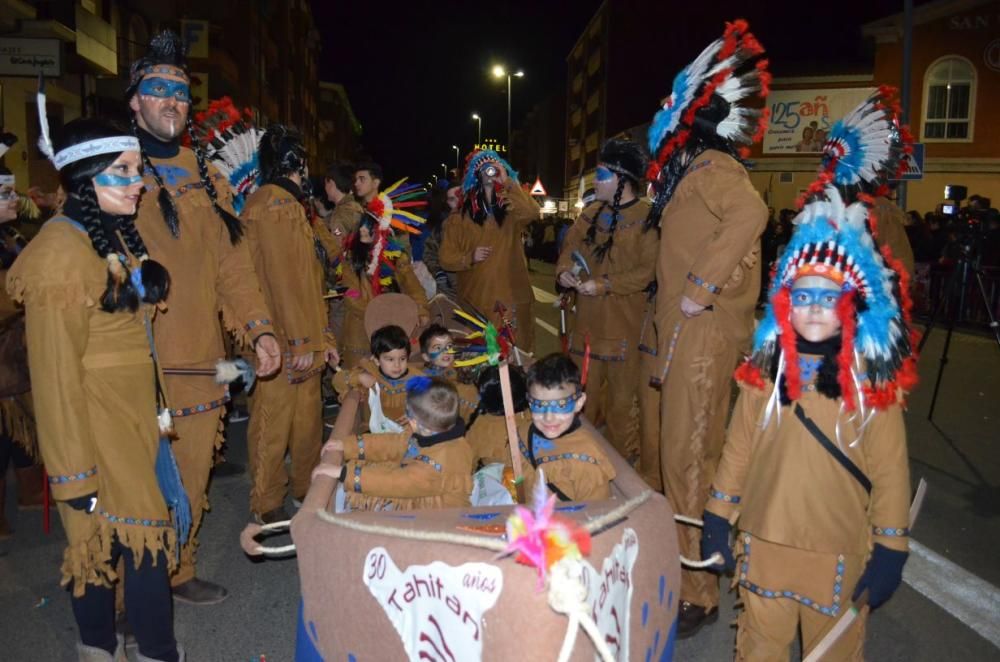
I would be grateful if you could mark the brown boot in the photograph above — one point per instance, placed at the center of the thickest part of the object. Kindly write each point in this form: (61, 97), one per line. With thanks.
(30, 488)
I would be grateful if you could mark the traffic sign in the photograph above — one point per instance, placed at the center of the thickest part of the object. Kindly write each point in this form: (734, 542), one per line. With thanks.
(915, 164)
(538, 189)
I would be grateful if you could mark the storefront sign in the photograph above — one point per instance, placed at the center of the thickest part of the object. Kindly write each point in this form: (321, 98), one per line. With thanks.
(30, 57)
(801, 119)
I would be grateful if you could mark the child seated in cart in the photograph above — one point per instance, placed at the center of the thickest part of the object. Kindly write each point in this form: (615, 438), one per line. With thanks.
(437, 349)
(427, 466)
(386, 372)
(576, 468)
(487, 429)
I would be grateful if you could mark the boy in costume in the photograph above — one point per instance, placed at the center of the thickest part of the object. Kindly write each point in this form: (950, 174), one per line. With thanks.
(427, 466)
(576, 468)
(487, 429)
(387, 369)
(437, 349)
(710, 219)
(815, 464)
(285, 413)
(185, 219)
(609, 258)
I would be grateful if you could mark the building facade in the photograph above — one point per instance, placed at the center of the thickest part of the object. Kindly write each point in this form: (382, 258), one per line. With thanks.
(954, 105)
(264, 55)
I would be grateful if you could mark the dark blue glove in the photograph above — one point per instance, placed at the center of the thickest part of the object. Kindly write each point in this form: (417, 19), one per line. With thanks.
(882, 575)
(715, 538)
(86, 503)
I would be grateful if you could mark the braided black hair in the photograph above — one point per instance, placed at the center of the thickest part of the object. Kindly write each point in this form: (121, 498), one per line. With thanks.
(232, 223)
(163, 198)
(600, 252)
(77, 180)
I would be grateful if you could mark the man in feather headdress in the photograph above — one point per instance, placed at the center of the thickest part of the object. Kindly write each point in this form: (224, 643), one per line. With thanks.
(187, 224)
(708, 274)
(482, 244)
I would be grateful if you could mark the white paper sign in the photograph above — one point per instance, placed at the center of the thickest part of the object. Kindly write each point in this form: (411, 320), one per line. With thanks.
(437, 609)
(609, 594)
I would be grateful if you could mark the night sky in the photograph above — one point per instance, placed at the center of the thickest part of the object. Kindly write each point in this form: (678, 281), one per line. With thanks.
(415, 73)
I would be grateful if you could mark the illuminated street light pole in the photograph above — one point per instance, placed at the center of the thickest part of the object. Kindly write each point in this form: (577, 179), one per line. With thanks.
(479, 128)
(444, 168)
(500, 72)
(455, 147)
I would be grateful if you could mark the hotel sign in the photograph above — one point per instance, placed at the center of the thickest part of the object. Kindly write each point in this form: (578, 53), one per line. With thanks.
(30, 57)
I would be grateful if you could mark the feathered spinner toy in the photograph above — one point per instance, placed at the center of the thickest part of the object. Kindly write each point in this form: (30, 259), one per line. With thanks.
(230, 141)
(489, 344)
(540, 538)
(714, 72)
(876, 361)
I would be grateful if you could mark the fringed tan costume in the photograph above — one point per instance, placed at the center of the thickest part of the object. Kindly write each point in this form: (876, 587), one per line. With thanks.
(285, 414)
(405, 471)
(94, 389)
(209, 274)
(576, 469)
(610, 322)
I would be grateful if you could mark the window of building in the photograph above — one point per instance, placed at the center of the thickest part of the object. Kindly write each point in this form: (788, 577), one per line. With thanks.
(949, 100)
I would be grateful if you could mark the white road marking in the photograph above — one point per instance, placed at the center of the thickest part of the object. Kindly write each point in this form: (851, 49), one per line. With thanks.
(546, 326)
(970, 599)
(541, 296)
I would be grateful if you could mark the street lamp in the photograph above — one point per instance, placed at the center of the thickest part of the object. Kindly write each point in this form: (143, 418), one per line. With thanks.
(500, 72)
(455, 147)
(479, 128)
(444, 168)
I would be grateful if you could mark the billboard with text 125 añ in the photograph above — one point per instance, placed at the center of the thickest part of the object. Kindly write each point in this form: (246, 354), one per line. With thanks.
(801, 119)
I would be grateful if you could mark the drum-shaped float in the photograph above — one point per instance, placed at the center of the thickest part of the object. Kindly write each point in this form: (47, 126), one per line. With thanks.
(391, 592)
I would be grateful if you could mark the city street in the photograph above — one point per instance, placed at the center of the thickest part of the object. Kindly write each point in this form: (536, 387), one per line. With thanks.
(948, 608)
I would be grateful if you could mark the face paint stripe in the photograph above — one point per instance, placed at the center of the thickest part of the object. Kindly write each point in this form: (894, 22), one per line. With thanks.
(106, 179)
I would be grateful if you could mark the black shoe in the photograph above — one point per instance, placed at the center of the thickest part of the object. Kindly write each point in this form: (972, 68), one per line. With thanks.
(270, 517)
(199, 592)
(227, 469)
(693, 617)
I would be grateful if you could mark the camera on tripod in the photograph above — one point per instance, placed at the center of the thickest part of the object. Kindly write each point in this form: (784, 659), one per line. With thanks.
(972, 221)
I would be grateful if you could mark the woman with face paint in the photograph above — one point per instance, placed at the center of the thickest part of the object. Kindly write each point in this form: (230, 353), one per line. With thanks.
(609, 259)
(88, 289)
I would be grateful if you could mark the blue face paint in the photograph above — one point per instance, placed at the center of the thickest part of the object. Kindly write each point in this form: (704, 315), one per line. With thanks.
(803, 297)
(449, 349)
(162, 88)
(603, 174)
(107, 179)
(562, 406)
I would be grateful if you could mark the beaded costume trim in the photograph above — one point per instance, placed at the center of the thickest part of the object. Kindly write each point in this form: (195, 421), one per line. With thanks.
(891, 531)
(722, 496)
(200, 408)
(135, 521)
(828, 610)
(71, 478)
(701, 282)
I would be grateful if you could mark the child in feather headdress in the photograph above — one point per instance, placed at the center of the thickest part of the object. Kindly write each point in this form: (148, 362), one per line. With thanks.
(428, 465)
(373, 262)
(815, 464)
